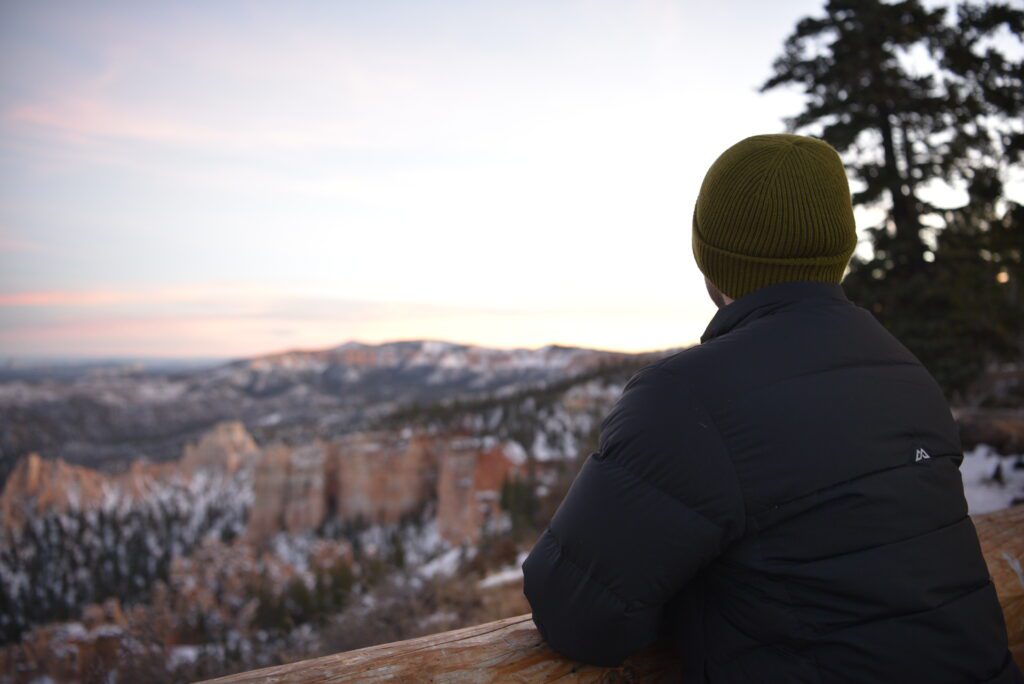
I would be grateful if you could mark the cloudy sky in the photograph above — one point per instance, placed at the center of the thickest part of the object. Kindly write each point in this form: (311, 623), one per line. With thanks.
(225, 179)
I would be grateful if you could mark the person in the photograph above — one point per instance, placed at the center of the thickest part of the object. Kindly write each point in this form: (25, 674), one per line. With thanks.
(783, 501)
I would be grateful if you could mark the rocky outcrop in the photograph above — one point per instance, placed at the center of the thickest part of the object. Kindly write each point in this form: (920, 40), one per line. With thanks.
(469, 485)
(70, 651)
(369, 477)
(288, 491)
(38, 486)
(223, 448)
(379, 476)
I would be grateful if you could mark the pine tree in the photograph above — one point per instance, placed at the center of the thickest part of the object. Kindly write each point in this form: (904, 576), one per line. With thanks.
(519, 500)
(916, 98)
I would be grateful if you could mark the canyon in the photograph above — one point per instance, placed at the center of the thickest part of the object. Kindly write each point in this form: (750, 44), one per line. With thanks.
(363, 477)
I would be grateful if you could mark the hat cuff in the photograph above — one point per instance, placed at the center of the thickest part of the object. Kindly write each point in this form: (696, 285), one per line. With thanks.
(737, 274)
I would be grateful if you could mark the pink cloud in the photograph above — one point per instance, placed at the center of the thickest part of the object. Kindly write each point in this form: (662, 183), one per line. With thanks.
(170, 336)
(83, 118)
(229, 294)
(61, 298)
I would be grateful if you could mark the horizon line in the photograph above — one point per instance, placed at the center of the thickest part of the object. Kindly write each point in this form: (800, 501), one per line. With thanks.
(200, 358)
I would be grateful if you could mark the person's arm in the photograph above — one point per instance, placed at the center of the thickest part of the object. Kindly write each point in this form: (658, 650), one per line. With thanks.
(653, 505)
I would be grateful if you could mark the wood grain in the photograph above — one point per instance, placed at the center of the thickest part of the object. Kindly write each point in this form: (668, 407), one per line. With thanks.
(1002, 541)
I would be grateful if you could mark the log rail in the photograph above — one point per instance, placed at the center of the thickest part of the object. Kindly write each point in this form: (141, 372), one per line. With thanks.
(511, 650)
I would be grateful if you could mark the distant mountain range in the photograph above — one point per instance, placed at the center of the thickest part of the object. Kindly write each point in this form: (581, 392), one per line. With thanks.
(50, 368)
(106, 415)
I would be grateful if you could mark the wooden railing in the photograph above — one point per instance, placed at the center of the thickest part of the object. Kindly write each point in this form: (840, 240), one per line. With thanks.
(511, 650)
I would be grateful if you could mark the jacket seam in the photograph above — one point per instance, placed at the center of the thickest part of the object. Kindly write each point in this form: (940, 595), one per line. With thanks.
(897, 616)
(888, 543)
(664, 492)
(828, 369)
(849, 480)
(725, 452)
(788, 606)
(735, 474)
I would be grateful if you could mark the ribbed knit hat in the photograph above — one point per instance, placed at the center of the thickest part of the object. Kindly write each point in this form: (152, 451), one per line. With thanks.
(773, 208)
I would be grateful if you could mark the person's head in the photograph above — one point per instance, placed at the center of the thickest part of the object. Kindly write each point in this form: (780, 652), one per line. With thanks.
(773, 208)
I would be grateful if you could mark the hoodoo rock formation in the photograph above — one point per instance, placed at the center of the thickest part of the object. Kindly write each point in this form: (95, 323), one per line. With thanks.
(469, 486)
(38, 485)
(379, 477)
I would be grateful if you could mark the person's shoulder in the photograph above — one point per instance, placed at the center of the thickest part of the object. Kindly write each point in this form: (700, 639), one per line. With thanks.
(664, 387)
(681, 371)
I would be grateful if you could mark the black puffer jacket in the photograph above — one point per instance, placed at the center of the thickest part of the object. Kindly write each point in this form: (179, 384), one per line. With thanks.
(784, 500)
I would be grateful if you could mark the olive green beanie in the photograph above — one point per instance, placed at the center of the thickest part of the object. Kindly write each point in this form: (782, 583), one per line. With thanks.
(773, 208)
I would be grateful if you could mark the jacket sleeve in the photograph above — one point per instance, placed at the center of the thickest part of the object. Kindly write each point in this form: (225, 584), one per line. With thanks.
(653, 505)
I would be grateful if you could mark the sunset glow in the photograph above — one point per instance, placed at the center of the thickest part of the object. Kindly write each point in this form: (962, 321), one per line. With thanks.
(198, 180)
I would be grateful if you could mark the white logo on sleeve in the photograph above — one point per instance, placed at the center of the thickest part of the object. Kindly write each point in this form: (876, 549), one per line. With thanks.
(921, 455)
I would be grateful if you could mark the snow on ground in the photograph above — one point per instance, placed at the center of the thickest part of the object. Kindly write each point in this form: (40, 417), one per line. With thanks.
(182, 655)
(991, 481)
(513, 573)
(444, 565)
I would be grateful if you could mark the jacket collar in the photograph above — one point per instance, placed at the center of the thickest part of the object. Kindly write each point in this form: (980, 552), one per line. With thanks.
(767, 300)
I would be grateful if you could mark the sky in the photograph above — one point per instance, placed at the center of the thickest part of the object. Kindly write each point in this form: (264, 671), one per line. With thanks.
(231, 179)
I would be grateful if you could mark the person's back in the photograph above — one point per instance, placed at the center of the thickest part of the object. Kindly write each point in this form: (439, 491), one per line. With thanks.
(785, 497)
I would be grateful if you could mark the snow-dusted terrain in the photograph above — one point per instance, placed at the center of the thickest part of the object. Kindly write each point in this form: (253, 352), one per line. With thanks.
(107, 419)
(187, 537)
(992, 481)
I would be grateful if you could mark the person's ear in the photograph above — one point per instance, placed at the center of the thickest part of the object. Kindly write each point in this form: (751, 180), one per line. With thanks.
(717, 296)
